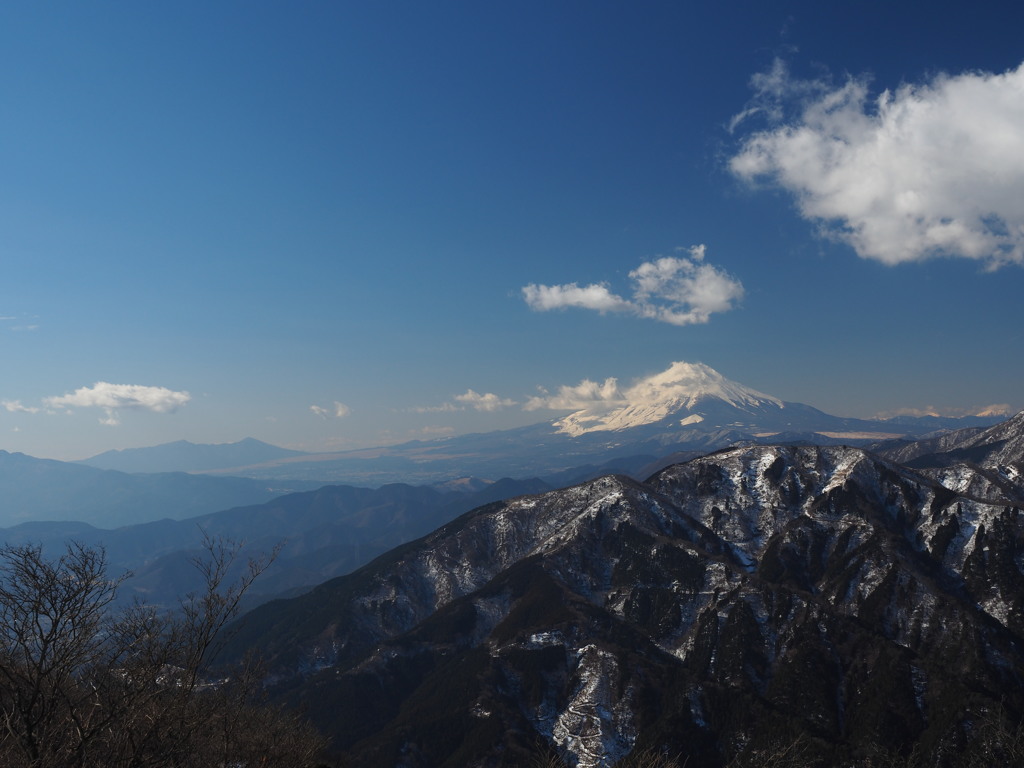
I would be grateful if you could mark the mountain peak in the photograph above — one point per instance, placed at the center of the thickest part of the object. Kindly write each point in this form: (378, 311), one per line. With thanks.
(679, 390)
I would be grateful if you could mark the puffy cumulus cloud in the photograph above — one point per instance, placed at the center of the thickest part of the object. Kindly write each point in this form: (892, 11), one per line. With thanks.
(929, 169)
(595, 296)
(337, 411)
(106, 395)
(683, 290)
(485, 402)
(680, 290)
(113, 397)
(586, 394)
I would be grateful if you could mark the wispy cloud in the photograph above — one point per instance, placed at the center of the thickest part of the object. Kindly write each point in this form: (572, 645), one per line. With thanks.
(114, 397)
(679, 290)
(15, 406)
(443, 408)
(336, 411)
(930, 169)
(469, 399)
(15, 323)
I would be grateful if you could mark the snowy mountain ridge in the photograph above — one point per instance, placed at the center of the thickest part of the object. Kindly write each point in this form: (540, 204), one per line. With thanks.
(850, 602)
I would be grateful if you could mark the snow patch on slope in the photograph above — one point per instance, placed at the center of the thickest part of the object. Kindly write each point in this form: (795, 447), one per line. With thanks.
(596, 728)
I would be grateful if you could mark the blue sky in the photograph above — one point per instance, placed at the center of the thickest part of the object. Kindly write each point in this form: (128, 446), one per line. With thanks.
(335, 225)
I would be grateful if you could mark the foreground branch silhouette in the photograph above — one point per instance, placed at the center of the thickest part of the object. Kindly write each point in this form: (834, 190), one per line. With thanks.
(84, 684)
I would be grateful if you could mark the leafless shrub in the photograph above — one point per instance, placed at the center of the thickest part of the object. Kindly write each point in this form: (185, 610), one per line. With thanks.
(82, 685)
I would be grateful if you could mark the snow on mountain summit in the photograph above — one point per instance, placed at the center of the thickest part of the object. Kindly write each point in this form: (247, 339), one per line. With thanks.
(676, 391)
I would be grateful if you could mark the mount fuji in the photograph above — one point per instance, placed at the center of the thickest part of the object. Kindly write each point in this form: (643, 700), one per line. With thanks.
(685, 395)
(687, 408)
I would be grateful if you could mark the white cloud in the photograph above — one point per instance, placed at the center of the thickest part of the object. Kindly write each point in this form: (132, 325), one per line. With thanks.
(933, 169)
(771, 90)
(586, 394)
(484, 402)
(594, 296)
(15, 406)
(106, 395)
(443, 408)
(111, 397)
(469, 399)
(680, 290)
(337, 411)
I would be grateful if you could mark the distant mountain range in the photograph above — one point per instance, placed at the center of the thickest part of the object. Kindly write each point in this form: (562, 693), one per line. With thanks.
(183, 456)
(322, 534)
(34, 489)
(819, 602)
(688, 408)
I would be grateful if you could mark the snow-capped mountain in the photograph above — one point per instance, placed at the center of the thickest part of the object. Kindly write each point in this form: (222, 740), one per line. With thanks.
(687, 407)
(675, 396)
(817, 599)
